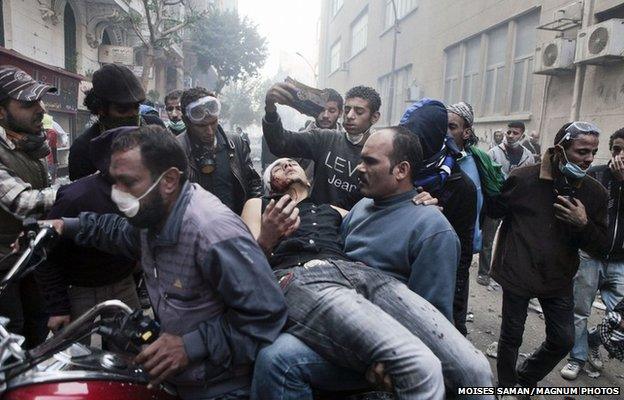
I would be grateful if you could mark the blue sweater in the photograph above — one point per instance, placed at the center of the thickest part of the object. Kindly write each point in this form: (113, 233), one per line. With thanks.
(415, 244)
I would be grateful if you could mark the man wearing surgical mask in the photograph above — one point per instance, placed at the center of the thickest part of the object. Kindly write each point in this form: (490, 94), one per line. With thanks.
(510, 153)
(219, 162)
(210, 284)
(174, 112)
(75, 278)
(550, 211)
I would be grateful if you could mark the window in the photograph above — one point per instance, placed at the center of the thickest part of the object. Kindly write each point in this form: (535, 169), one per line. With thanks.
(69, 23)
(334, 7)
(403, 7)
(495, 71)
(472, 66)
(451, 75)
(498, 81)
(400, 98)
(334, 57)
(522, 83)
(359, 33)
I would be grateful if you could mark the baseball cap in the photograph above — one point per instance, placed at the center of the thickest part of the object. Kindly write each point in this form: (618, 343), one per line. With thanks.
(117, 84)
(18, 85)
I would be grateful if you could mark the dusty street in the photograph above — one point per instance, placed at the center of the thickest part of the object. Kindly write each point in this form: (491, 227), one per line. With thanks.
(485, 303)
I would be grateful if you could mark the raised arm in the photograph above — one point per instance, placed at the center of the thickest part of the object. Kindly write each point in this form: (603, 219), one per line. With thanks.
(281, 142)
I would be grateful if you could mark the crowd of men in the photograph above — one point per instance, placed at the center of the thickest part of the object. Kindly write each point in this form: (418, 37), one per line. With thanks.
(343, 266)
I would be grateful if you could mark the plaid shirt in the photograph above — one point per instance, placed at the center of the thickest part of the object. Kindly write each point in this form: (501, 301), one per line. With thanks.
(18, 197)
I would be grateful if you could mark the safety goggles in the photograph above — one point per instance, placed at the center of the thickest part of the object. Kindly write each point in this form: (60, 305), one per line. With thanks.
(578, 128)
(201, 109)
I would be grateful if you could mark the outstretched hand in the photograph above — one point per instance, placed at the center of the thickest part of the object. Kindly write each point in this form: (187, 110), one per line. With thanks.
(280, 219)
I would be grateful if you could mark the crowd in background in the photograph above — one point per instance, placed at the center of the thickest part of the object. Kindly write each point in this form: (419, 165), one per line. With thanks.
(344, 265)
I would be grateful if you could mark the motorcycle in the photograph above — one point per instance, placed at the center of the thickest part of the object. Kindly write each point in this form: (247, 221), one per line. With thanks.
(62, 367)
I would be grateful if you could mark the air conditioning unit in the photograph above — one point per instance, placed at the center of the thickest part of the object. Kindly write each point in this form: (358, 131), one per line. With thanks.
(555, 57)
(601, 43)
(571, 12)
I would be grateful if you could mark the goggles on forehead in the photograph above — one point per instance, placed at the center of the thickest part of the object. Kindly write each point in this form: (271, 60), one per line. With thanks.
(579, 128)
(203, 108)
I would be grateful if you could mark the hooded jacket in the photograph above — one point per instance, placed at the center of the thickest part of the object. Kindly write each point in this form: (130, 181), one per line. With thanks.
(69, 264)
(428, 119)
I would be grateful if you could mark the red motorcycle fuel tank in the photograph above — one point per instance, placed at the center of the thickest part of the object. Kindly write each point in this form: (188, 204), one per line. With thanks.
(86, 390)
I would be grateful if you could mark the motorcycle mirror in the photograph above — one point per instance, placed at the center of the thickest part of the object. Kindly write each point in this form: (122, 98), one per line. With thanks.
(36, 238)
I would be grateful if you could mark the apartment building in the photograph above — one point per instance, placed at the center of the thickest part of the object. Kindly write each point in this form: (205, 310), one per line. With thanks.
(543, 62)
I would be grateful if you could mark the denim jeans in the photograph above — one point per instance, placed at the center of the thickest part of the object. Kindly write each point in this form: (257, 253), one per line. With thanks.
(355, 316)
(288, 370)
(559, 319)
(488, 235)
(593, 275)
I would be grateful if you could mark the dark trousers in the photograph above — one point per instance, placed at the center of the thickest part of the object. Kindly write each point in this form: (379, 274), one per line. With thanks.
(559, 319)
(488, 232)
(22, 303)
(460, 301)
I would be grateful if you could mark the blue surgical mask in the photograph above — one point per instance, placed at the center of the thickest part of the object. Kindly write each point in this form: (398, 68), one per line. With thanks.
(177, 125)
(571, 170)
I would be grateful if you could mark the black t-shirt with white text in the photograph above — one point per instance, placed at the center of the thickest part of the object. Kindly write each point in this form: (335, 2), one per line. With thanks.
(336, 159)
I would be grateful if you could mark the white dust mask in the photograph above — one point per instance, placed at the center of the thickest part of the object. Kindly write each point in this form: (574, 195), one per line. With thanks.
(127, 203)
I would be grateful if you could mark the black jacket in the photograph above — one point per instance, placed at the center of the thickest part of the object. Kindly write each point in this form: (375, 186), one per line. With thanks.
(615, 211)
(247, 181)
(458, 199)
(80, 164)
(68, 263)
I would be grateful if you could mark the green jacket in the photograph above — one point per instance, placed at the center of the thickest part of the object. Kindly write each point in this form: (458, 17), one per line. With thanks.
(490, 172)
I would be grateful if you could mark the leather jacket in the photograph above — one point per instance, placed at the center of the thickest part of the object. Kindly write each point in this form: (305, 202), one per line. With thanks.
(248, 183)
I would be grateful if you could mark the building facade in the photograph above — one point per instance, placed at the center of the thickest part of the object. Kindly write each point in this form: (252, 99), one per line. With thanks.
(484, 52)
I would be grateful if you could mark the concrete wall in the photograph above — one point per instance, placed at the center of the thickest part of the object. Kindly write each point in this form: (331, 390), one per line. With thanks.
(436, 25)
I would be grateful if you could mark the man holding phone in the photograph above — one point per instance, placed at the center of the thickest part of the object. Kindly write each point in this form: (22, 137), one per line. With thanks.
(604, 273)
(336, 153)
(550, 211)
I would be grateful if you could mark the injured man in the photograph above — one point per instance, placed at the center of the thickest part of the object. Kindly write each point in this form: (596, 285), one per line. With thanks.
(346, 276)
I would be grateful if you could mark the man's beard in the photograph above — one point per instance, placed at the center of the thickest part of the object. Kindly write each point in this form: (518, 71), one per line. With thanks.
(150, 213)
(15, 126)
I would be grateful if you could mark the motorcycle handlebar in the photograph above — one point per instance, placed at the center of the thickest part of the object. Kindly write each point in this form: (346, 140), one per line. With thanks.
(39, 237)
(78, 327)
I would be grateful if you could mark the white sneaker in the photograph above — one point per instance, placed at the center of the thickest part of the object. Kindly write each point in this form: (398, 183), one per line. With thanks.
(571, 371)
(594, 358)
